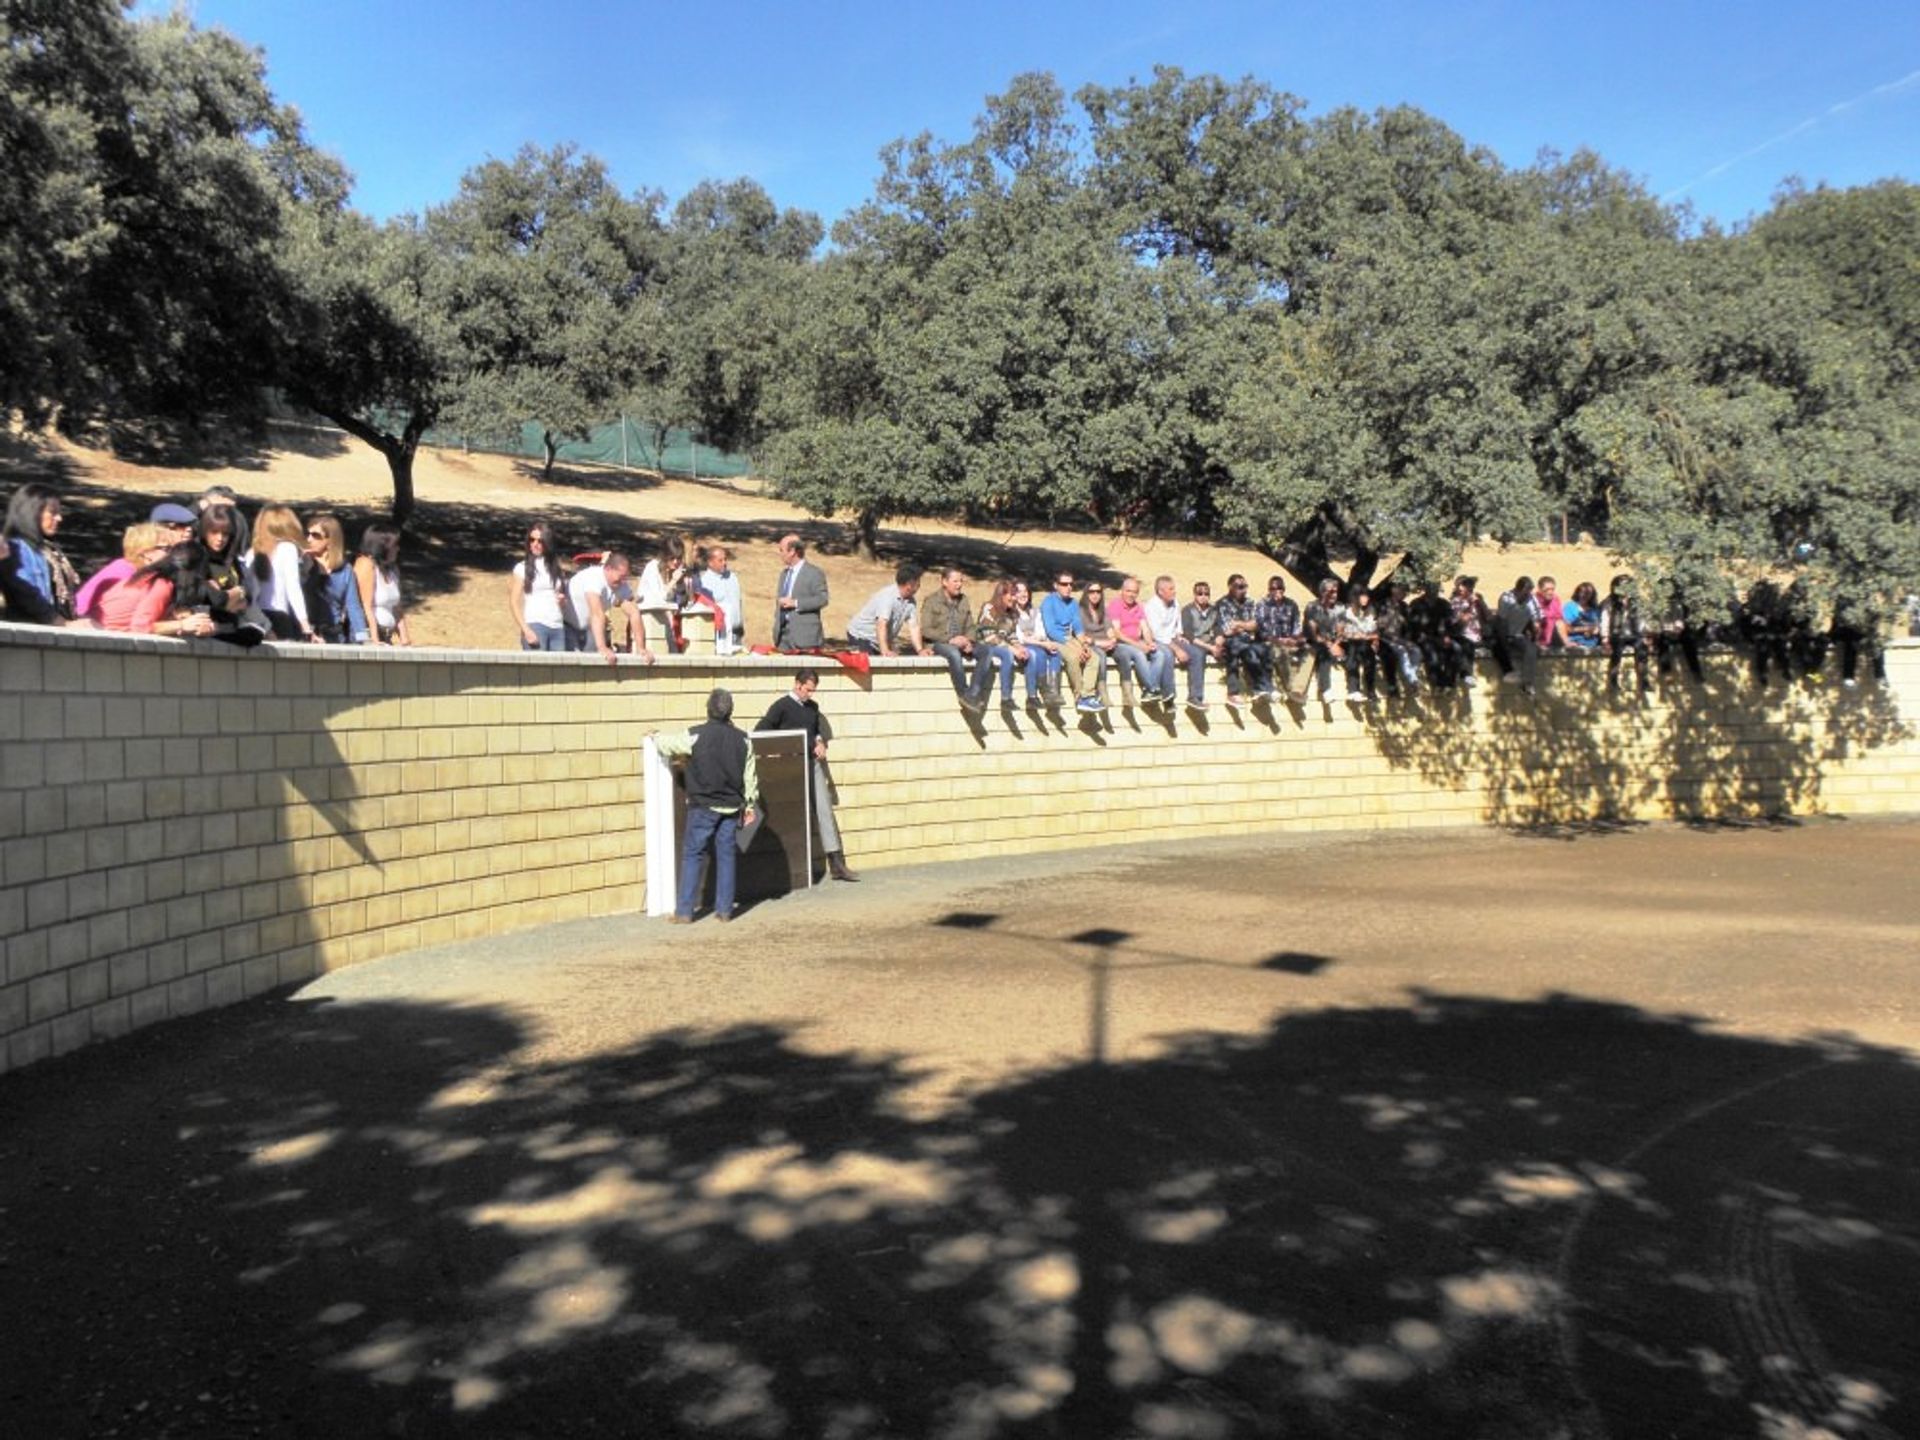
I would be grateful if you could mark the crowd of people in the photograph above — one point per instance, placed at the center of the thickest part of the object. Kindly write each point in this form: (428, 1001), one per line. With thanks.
(207, 570)
(560, 609)
(1391, 640)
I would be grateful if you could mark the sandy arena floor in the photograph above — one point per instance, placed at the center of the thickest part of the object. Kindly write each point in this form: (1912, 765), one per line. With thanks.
(1615, 1134)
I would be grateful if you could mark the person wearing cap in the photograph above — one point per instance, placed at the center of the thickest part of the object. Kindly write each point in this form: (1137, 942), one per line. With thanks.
(176, 521)
(723, 787)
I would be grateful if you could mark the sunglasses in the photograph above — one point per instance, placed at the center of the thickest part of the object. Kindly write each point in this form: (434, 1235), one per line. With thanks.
(316, 534)
(1067, 583)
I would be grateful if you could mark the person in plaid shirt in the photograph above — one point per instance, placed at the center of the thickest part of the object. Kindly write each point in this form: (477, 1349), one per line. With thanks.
(1277, 624)
(1244, 657)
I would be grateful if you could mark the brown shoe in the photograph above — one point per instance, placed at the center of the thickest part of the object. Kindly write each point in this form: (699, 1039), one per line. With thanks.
(679, 919)
(838, 869)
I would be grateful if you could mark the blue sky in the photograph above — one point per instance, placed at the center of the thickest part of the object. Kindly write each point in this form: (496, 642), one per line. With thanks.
(1711, 103)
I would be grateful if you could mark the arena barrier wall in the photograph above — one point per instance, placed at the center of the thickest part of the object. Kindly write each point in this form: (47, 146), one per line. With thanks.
(183, 826)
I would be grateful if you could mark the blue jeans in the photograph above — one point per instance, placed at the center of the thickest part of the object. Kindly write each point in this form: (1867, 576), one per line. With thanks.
(1196, 674)
(1040, 664)
(708, 827)
(1001, 655)
(1155, 671)
(547, 637)
(957, 669)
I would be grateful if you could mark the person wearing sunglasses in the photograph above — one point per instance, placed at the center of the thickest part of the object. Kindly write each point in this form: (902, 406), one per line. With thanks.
(1085, 666)
(1200, 641)
(536, 594)
(333, 598)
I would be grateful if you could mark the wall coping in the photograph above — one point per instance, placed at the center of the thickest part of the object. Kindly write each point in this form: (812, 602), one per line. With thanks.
(81, 638)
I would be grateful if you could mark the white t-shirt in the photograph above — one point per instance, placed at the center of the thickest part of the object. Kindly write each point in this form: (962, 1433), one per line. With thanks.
(593, 581)
(540, 603)
(1163, 619)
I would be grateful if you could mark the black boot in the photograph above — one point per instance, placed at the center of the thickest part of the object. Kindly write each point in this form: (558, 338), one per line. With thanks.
(837, 867)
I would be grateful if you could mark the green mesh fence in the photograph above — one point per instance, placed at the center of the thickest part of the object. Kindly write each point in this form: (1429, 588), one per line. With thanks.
(628, 443)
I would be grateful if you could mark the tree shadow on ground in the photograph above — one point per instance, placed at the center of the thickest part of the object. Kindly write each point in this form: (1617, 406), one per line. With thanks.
(1548, 761)
(573, 477)
(1453, 1217)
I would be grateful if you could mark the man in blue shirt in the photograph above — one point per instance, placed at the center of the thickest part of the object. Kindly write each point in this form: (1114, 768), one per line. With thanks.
(1060, 614)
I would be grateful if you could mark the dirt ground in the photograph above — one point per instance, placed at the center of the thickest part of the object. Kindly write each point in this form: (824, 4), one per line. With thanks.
(466, 535)
(1612, 1132)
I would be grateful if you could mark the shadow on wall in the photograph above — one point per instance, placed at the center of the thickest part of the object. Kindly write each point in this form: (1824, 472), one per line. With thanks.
(1551, 761)
(1453, 1217)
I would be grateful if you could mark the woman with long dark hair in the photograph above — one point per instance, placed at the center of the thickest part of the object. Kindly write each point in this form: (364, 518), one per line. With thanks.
(376, 570)
(537, 593)
(36, 579)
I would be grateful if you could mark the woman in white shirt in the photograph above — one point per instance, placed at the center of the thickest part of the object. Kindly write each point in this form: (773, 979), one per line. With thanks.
(376, 570)
(535, 591)
(277, 539)
(655, 601)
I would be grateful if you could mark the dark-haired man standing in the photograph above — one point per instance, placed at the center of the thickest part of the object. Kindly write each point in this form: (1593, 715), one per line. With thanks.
(802, 595)
(798, 710)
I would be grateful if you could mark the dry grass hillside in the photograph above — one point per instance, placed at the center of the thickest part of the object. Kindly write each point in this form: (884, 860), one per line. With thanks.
(465, 535)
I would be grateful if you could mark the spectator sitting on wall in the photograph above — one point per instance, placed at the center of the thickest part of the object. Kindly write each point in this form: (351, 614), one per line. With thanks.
(1549, 614)
(946, 624)
(1084, 665)
(1043, 654)
(1581, 618)
(1138, 650)
(1322, 626)
(1277, 621)
(1621, 630)
(996, 642)
(1517, 627)
(1360, 639)
(1199, 642)
(890, 617)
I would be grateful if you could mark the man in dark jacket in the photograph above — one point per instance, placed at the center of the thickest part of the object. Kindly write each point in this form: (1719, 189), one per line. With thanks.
(946, 624)
(800, 711)
(723, 786)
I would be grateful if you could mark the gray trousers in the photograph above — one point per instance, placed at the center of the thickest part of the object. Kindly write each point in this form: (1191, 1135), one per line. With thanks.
(823, 808)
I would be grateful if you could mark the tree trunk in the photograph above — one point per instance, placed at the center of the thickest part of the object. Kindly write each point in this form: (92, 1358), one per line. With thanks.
(1365, 563)
(552, 449)
(400, 465)
(866, 527)
(399, 450)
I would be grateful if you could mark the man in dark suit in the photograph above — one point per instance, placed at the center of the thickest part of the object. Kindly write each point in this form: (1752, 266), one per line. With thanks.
(799, 711)
(801, 596)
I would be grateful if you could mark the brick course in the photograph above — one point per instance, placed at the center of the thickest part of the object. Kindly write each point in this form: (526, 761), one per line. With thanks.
(182, 827)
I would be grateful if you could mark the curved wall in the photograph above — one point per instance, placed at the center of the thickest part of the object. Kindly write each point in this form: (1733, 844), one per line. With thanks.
(182, 826)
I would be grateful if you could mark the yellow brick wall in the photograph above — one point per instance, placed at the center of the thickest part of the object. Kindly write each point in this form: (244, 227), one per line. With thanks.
(182, 827)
